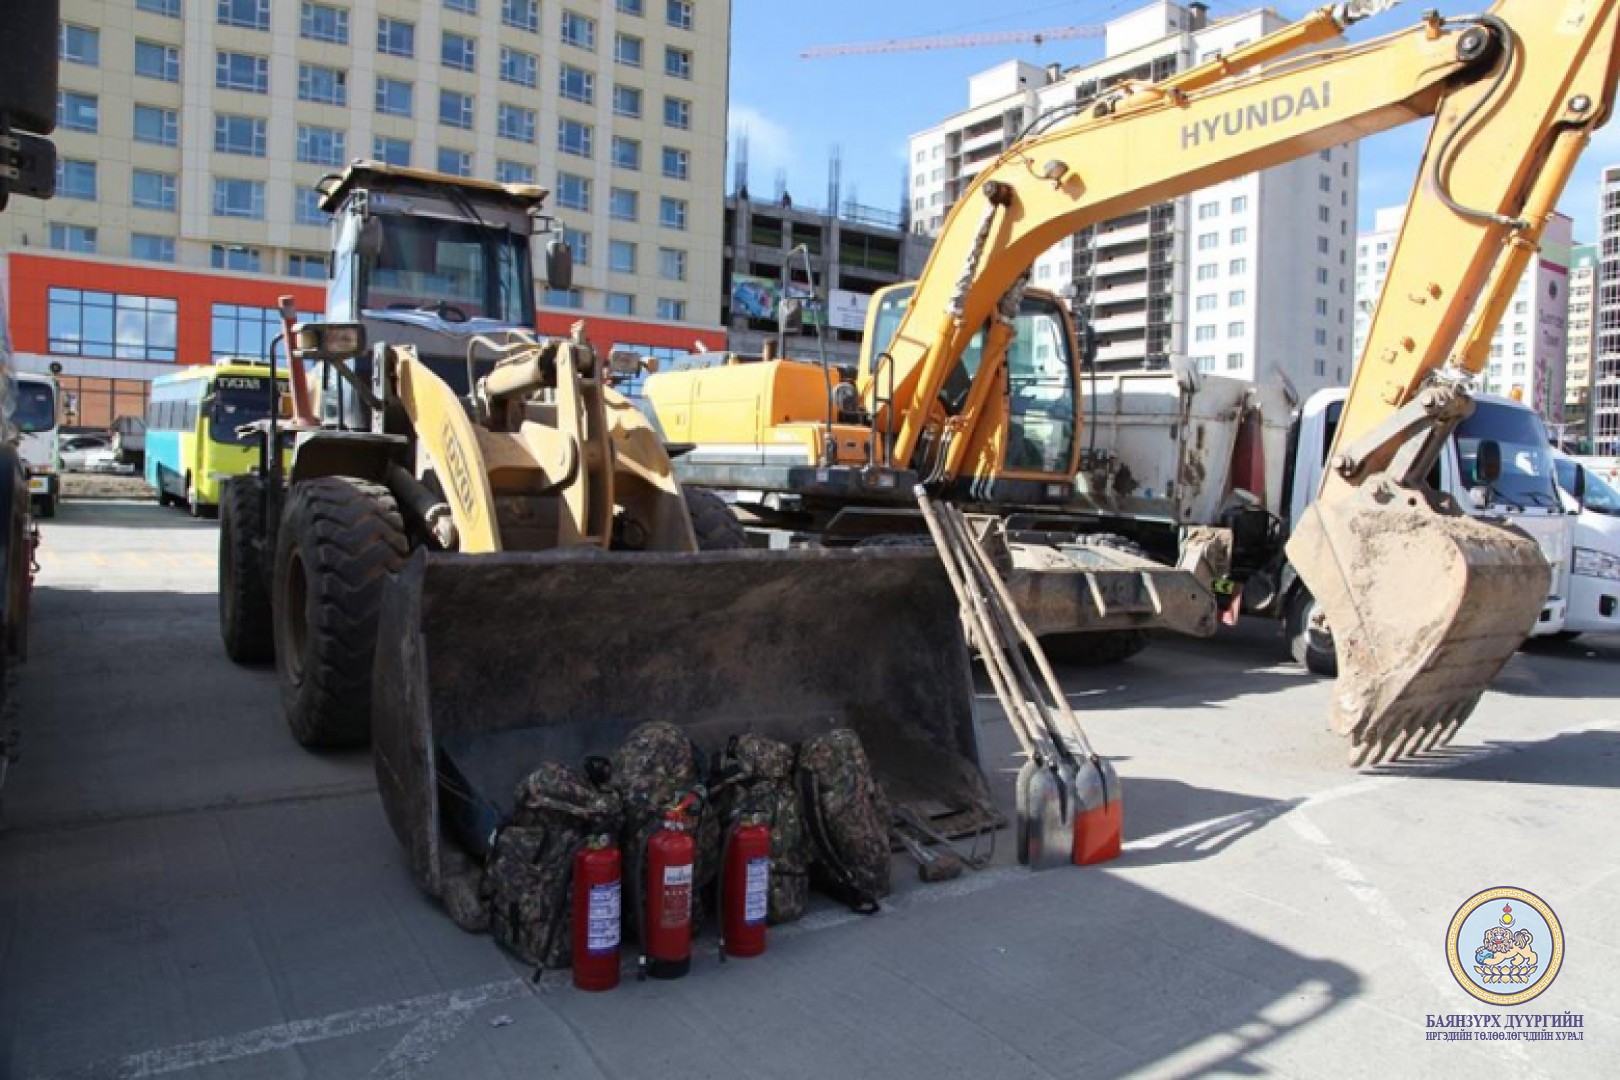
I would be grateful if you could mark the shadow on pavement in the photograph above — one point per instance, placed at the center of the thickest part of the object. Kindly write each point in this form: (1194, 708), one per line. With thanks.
(1573, 759)
(121, 514)
(1171, 821)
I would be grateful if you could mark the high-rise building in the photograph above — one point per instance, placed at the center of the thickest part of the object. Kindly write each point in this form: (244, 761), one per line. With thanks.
(1605, 411)
(1529, 349)
(1583, 264)
(1211, 276)
(190, 135)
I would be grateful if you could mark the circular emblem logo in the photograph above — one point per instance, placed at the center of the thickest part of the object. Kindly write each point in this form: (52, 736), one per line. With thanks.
(1505, 945)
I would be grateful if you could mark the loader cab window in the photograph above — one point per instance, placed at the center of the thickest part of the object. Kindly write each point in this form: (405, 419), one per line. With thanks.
(1330, 428)
(1040, 391)
(1528, 477)
(891, 309)
(452, 267)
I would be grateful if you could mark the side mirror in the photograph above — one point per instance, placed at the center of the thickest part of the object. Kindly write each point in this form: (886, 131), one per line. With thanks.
(624, 364)
(370, 243)
(1488, 462)
(790, 315)
(559, 265)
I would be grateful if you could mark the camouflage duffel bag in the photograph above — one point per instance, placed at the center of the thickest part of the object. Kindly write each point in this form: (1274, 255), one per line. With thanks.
(529, 874)
(754, 779)
(847, 819)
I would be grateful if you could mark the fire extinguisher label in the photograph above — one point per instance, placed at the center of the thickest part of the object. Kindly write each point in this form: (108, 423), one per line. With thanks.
(757, 891)
(677, 905)
(602, 925)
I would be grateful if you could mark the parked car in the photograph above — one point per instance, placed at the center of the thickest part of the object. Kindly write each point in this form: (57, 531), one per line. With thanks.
(88, 453)
(129, 440)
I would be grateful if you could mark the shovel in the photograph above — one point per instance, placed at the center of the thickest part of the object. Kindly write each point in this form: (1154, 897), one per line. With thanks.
(932, 866)
(1091, 782)
(1045, 812)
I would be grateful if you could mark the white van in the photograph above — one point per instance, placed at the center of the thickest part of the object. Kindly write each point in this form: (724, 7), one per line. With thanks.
(1525, 493)
(1593, 586)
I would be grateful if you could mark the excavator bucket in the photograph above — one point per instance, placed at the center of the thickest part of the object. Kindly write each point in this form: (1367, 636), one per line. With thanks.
(489, 665)
(1425, 603)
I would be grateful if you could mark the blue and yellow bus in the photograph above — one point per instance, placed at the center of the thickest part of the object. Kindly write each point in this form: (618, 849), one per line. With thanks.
(192, 418)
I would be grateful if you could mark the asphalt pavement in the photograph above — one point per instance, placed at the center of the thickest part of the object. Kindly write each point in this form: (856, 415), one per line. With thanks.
(184, 891)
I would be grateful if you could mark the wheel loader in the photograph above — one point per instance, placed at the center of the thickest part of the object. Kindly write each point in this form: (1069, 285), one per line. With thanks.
(1426, 602)
(479, 558)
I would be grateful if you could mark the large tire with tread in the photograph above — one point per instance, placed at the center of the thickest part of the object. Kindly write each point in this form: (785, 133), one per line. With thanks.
(1313, 649)
(1100, 648)
(341, 541)
(244, 573)
(713, 521)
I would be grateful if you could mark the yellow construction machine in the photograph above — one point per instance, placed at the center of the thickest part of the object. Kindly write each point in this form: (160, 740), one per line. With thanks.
(1426, 602)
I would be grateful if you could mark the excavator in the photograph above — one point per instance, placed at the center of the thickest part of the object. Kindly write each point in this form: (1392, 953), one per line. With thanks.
(1426, 602)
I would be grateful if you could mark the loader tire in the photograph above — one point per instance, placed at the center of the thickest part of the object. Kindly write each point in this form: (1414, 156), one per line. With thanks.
(244, 578)
(717, 528)
(341, 542)
(1100, 648)
(1311, 648)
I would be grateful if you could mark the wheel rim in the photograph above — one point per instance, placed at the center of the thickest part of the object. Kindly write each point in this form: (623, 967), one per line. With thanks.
(295, 617)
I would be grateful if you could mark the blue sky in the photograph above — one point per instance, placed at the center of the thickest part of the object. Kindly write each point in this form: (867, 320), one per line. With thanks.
(796, 110)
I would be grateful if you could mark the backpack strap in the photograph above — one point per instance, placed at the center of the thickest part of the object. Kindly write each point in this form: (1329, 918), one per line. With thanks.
(843, 886)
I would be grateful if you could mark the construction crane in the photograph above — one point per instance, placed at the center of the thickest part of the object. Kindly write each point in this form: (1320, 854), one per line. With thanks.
(957, 41)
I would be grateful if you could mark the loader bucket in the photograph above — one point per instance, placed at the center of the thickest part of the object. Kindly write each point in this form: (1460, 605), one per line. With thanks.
(1425, 603)
(488, 665)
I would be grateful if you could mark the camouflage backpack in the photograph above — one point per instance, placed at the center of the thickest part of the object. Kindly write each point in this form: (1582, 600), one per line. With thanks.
(847, 818)
(528, 877)
(653, 769)
(754, 778)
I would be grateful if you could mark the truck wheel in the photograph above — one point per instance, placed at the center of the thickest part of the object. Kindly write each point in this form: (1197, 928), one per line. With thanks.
(1310, 641)
(717, 528)
(1100, 648)
(244, 583)
(341, 540)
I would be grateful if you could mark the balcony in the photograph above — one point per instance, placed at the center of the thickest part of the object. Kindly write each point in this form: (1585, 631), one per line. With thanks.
(1131, 292)
(1130, 234)
(1127, 351)
(1125, 264)
(1135, 322)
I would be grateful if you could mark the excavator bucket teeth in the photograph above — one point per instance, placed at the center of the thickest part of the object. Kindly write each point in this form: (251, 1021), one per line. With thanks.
(1425, 606)
(489, 665)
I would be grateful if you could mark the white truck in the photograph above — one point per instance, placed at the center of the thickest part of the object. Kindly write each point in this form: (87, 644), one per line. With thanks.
(1593, 569)
(37, 418)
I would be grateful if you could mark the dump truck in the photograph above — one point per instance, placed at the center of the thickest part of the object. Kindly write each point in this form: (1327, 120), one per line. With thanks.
(1427, 601)
(478, 558)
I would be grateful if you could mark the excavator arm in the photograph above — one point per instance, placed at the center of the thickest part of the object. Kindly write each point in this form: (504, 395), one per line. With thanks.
(1426, 602)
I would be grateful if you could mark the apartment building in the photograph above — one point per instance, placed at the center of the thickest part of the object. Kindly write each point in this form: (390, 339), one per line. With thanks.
(1605, 411)
(190, 135)
(1583, 266)
(1248, 278)
(1530, 347)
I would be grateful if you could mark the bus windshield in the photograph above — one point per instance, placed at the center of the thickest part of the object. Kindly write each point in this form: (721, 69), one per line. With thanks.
(36, 407)
(238, 400)
(434, 263)
(1527, 478)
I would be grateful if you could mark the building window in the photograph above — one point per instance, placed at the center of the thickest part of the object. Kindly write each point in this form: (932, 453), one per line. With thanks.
(239, 198)
(455, 162)
(1209, 240)
(1234, 361)
(1237, 267)
(456, 109)
(1240, 204)
(151, 248)
(160, 127)
(321, 145)
(574, 137)
(677, 163)
(250, 14)
(1324, 215)
(306, 265)
(239, 135)
(154, 61)
(513, 172)
(77, 112)
(573, 192)
(1321, 307)
(1208, 210)
(672, 213)
(248, 260)
(627, 102)
(1236, 298)
(564, 298)
(627, 50)
(242, 71)
(1321, 275)
(153, 190)
(391, 151)
(307, 207)
(621, 257)
(518, 67)
(243, 331)
(672, 264)
(78, 239)
(618, 303)
(677, 113)
(323, 22)
(1321, 337)
(1240, 235)
(577, 85)
(394, 97)
(1204, 333)
(672, 310)
(1320, 367)
(1325, 182)
(323, 85)
(579, 242)
(626, 153)
(466, 7)
(80, 45)
(168, 8)
(578, 30)
(677, 62)
(521, 14)
(1206, 272)
(632, 7)
(1206, 302)
(623, 205)
(678, 13)
(458, 51)
(396, 37)
(515, 122)
(75, 179)
(112, 325)
(1234, 329)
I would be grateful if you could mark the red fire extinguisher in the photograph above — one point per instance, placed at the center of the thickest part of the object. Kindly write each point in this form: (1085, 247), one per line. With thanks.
(666, 939)
(745, 889)
(596, 914)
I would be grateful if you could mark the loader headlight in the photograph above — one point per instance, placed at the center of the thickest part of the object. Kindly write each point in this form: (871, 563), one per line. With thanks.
(1598, 564)
(330, 341)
